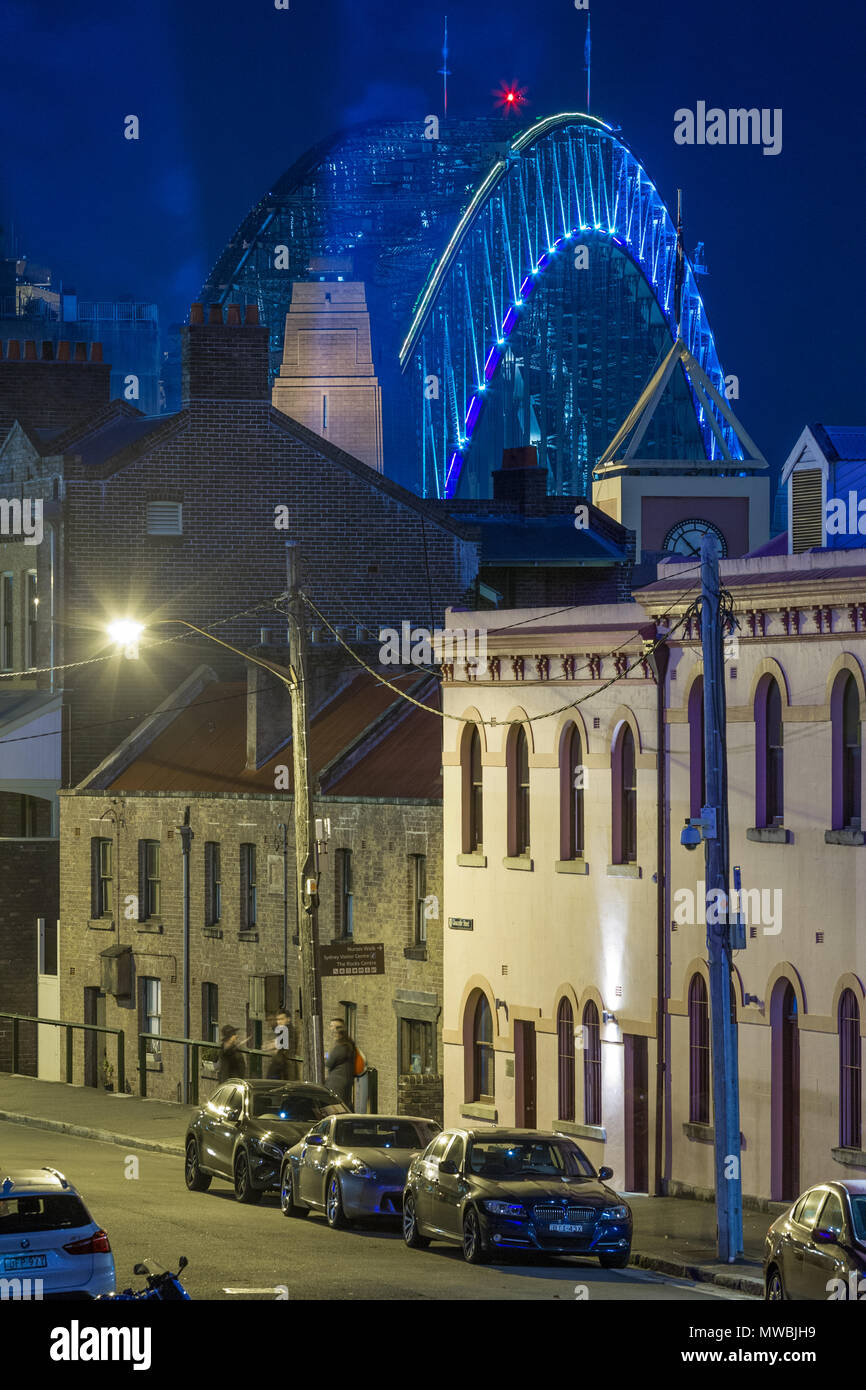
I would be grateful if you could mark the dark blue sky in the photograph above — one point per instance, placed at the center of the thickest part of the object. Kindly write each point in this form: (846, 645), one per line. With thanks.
(229, 94)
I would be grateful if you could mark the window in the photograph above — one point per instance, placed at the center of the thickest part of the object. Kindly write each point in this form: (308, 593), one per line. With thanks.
(565, 1038)
(697, 765)
(324, 413)
(832, 1218)
(699, 1052)
(419, 895)
(149, 894)
(213, 903)
(151, 1012)
(769, 773)
(473, 799)
(571, 773)
(811, 1206)
(457, 1150)
(7, 619)
(417, 1048)
(624, 798)
(248, 916)
(482, 1038)
(350, 1015)
(845, 717)
(591, 1038)
(210, 1012)
(32, 614)
(517, 758)
(164, 519)
(344, 897)
(101, 877)
(850, 1127)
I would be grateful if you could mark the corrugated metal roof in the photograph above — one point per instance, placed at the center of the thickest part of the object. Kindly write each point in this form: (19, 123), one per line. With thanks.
(848, 441)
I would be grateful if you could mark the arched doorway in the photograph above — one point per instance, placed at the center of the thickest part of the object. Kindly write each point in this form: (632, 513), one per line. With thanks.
(785, 1093)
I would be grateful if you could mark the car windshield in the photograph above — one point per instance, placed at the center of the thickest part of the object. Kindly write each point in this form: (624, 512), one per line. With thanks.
(382, 1134)
(858, 1217)
(527, 1158)
(305, 1106)
(50, 1213)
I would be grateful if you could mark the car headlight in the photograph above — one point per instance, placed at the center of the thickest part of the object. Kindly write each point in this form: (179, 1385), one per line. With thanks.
(615, 1214)
(360, 1170)
(504, 1208)
(263, 1146)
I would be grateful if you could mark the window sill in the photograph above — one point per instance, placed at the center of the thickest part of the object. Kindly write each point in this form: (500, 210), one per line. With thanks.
(851, 1158)
(701, 1134)
(478, 1110)
(151, 924)
(415, 952)
(214, 932)
(472, 861)
(101, 924)
(624, 871)
(580, 1131)
(844, 837)
(769, 834)
(152, 1066)
(571, 866)
(248, 936)
(341, 940)
(518, 861)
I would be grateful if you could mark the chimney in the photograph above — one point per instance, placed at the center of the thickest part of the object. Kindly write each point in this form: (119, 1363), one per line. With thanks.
(225, 360)
(520, 479)
(47, 351)
(43, 389)
(269, 708)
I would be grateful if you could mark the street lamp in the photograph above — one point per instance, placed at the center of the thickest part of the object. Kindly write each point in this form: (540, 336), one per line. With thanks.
(125, 632)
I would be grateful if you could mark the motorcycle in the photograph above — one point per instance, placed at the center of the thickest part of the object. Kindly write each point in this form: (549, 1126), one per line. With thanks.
(161, 1283)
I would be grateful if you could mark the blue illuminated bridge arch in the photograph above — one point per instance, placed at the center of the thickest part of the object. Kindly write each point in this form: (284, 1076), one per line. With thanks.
(546, 313)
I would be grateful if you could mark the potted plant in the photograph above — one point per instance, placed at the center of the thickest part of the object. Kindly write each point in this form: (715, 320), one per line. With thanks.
(107, 1074)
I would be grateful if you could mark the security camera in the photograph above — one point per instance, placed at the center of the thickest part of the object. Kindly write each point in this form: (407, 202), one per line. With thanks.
(690, 836)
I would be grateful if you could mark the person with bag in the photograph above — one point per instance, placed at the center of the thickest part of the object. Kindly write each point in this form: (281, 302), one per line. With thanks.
(342, 1062)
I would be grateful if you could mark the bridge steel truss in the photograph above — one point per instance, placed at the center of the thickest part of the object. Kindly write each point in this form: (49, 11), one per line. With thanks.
(547, 312)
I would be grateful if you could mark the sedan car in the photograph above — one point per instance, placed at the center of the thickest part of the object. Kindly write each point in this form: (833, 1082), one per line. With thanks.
(245, 1128)
(817, 1249)
(50, 1246)
(514, 1189)
(352, 1167)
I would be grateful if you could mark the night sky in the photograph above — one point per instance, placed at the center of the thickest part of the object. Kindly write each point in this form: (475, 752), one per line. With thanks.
(230, 94)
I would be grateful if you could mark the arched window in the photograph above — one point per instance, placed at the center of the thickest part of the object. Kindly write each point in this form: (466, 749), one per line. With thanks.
(482, 1048)
(571, 785)
(565, 1038)
(699, 1052)
(624, 798)
(473, 791)
(518, 792)
(769, 771)
(697, 765)
(845, 715)
(591, 1038)
(850, 1123)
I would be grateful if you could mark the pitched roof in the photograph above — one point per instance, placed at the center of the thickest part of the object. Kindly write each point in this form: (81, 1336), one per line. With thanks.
(841, 443)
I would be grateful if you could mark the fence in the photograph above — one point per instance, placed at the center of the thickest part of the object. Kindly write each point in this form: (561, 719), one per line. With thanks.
(119, 1033)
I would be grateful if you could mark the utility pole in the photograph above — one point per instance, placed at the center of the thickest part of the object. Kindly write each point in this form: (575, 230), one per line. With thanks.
(186, 839)
(726, 1100)
(305, 831)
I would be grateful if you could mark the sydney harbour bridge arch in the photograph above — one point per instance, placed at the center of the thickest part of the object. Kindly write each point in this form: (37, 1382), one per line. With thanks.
(521, 290)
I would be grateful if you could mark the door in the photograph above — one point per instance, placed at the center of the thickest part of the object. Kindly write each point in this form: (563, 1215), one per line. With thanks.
(794, 1250)
(449, 1191)
(785, 1093)
(314, 1161)
(226, 1127)
(524, 1074)
(94, 1043)
(636, 1113)
(427, 1186)
(824, 1261)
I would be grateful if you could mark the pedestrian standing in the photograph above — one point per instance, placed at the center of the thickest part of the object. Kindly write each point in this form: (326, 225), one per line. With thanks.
(280, 1066)
(340, 1062)
(231, 1064)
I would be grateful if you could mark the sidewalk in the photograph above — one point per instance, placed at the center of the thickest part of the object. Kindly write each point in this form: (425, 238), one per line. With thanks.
(672, 1235)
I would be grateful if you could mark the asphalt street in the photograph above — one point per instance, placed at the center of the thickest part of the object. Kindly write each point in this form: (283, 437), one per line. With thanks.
(238, 1252)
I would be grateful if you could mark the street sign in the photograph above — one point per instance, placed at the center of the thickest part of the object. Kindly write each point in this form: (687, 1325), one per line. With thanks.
(352, 958)
(461, 923)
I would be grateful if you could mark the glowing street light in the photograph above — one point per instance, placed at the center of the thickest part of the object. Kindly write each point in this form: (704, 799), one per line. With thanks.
(125, 632)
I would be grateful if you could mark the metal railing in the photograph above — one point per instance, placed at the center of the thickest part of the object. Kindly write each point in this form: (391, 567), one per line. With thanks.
(115, 311)
(70, 1027)
(197, 1045)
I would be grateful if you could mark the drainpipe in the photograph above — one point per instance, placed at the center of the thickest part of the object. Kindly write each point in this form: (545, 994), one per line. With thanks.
(659, 659)
(186, 838)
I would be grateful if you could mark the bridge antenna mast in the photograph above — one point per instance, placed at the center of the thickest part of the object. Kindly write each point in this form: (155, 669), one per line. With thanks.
(443, 71)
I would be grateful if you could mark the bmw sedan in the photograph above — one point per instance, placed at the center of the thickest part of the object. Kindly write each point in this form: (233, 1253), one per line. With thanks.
(502, 1189)
(351, 1167)
(50, 1245)
(246, 1127)
(817, 1249)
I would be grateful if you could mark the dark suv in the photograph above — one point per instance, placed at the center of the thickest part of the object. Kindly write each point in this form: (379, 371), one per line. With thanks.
(245, 1128)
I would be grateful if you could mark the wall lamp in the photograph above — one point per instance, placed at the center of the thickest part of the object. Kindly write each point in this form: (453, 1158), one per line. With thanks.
(607, 1016)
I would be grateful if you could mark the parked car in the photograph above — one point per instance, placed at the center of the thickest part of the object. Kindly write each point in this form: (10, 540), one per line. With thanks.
(245, 1128)
(819, 1240)
(514, 1189)
(352, 1166)
(50, 1245)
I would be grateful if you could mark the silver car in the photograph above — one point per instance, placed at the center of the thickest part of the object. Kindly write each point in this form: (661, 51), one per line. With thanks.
(352, 1166)
(50, 1246)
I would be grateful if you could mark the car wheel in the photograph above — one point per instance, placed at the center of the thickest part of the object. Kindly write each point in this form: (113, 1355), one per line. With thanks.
(334, 1213)
(196, 1180)
(473, 1250)
(775, 1287)
(411, 1235)
(619, 1261)
(244, 1190)
(287, 1194)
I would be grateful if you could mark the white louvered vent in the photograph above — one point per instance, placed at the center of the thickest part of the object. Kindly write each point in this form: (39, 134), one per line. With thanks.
(806, 518)
(165, 518)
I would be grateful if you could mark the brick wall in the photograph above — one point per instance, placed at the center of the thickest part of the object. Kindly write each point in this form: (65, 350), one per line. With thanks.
(28, 874)
(49, 393)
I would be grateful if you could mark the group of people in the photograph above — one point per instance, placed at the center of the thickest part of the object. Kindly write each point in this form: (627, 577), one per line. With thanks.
(340, 1060)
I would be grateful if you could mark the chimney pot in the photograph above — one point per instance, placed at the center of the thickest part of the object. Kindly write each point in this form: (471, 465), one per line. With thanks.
(14, 350)
(216, 314)
(63, 350)
(234, 314)
(251, 315)
(80, 354)
(47, 351)
(196, 313)
(30, 350)
(96, 352)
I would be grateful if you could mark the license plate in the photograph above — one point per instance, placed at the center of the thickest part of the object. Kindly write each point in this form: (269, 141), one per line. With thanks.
(25, 1262)
(567, 1230)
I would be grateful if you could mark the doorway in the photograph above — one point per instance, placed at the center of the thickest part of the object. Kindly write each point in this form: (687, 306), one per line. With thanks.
(524, 1074)
(785, 1093)
(94, 1043)
(636, 1084)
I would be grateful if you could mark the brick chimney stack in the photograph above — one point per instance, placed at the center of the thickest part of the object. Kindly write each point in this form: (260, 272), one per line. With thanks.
(521, 480)
(45, 389)
(225, 359)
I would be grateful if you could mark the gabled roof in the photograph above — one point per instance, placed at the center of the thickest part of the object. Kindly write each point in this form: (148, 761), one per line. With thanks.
(542, 540)
(826, 444)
